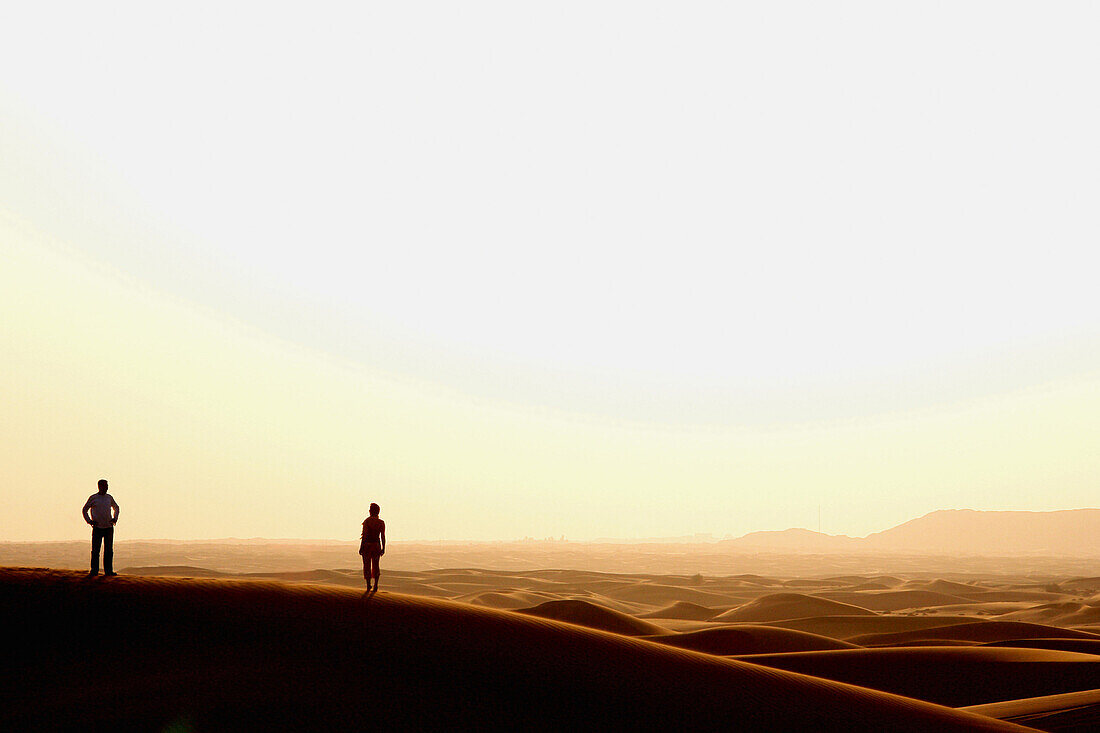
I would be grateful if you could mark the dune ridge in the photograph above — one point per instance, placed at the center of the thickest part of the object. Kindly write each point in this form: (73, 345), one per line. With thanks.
(685, 610)
(980, 631)
(1070, 711)
(894, 600)
(784, 606)
(234, 654)
(951, 675)
(584, 613)
(749, 639)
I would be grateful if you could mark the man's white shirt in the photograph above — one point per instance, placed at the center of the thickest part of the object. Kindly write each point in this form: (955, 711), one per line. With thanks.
(100, 505)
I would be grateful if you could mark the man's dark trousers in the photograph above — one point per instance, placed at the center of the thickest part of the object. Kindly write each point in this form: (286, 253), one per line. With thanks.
(106, 535)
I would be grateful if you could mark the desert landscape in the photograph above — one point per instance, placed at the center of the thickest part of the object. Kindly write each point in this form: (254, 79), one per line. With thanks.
(679, 366)
(252, 637)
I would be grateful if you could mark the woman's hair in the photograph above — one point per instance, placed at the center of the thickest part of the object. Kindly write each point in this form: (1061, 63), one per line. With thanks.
(374, 509)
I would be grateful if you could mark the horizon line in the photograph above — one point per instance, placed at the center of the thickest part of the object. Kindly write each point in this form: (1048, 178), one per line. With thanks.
(694, 538)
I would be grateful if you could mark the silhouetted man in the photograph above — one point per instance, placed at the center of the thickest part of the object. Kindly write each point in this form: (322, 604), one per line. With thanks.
(104, 515)
(372, 546)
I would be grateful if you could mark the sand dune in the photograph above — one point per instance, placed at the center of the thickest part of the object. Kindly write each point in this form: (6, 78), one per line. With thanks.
(416, 588)
(512, 600)
(850, 627)
(935, 642)
(654, 594)
(1046, 612)
(939, 585)
(782, 606)
(748, 639)
(1070, 711)
(334, 577)
(1015, 594)
(941, 623)
(182, 571)
(217, 654)
(1081, 646)
(983, 631)
(887, 580)
(757, 580)
(948, 675)
(623, 607)
(647, 596)
(995, 608)
(843, 580)
(593, 616)
(812, 583)
(894, 600)
(1084, 585)
(684, 610)
(1064, 614)
(985, 594)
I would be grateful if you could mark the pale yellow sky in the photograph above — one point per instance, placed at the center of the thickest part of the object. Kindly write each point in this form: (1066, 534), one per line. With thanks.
(210, 429)
(595, 272)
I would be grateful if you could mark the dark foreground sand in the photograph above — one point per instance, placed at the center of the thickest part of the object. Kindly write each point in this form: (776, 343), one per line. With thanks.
(147, 653)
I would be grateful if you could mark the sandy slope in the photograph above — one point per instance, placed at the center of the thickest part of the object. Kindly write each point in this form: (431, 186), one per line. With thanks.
(1082, 646)
(594, 616)
(684, 610)
(749, 639)
(853, 627)
(773, 615)
(511, 599)
(782, 606)
(187, 571)
(1067, 613)
(658, 593)
(940, 585)
(894, 600)
(949, 675)
(1072, 711)
(145, 653)
(982, 631)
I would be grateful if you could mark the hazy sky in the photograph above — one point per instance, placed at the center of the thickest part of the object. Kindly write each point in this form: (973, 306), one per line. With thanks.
(581, 268)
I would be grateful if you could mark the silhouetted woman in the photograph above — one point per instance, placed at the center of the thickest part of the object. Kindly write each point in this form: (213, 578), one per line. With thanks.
(372, 546)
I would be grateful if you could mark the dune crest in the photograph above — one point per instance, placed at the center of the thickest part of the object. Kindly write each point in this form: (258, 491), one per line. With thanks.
(1070, 711)
(952, 675)
(749, 639)
(216, 654)
(584, 613)
(981, 631)
(684, 610)
(784, 606)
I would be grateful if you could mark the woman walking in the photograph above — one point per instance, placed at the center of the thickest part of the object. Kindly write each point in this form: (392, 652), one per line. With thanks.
(372, 546)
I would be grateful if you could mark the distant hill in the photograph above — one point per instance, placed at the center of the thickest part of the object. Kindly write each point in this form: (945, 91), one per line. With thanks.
(951, 531)
(794, 540)
(965, 531)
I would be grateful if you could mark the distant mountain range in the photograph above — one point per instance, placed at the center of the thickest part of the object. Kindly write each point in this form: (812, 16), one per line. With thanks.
(950, 532)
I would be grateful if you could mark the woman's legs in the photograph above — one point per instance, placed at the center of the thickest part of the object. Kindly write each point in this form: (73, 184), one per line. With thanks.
(370, 566)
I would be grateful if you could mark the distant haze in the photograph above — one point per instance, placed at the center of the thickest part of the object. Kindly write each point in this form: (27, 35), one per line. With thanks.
(958, 532)
(598, 269)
